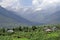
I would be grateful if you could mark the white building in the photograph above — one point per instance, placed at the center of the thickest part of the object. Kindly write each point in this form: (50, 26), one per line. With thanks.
(10, 31)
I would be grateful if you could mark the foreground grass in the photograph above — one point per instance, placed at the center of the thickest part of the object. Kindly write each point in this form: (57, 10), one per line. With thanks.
(37, 34)
(20, 39)
(11, 38)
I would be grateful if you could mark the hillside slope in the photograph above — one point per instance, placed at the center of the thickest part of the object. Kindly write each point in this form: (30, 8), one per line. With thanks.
(10, 17)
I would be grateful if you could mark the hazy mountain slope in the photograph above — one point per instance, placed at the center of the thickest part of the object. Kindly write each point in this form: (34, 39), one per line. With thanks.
(11, 17)
(54, 18)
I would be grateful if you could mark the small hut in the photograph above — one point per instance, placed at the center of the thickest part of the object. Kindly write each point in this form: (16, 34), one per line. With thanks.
(48, 30)
(55, 28)
(10, 31)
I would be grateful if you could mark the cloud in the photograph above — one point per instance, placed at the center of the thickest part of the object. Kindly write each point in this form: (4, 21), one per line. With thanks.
(47, 5)
(15, 5)
(11, 4)
(0, 0)
(37, 11)
(26, 3)
(43, 3)
(37, 4)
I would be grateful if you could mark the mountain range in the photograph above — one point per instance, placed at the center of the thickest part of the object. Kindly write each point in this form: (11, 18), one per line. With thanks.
(9, 18)
(30, 17)
(49, 15)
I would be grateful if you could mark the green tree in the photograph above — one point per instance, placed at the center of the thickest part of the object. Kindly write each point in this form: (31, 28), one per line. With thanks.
(3, 30)
(25, 29)
(20, 28)
(34, 27)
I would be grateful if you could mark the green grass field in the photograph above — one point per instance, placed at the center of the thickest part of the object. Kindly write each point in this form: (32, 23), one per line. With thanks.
(11, 38)
(37, 34)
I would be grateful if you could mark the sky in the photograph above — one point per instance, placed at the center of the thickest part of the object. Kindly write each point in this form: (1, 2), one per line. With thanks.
(32, 8)
(27, 3)
(6, 3)
(35, 5)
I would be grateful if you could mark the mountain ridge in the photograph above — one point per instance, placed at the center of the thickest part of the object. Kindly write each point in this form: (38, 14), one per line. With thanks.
(11, 17)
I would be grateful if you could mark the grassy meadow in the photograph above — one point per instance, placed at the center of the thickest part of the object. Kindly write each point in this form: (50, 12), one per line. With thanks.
(31, 33)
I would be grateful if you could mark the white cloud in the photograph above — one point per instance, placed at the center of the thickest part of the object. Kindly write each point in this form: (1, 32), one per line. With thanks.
(38, 10)
(36, 4)
(0, 0)
(11, 4)
(41, 3)
(47, 5)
